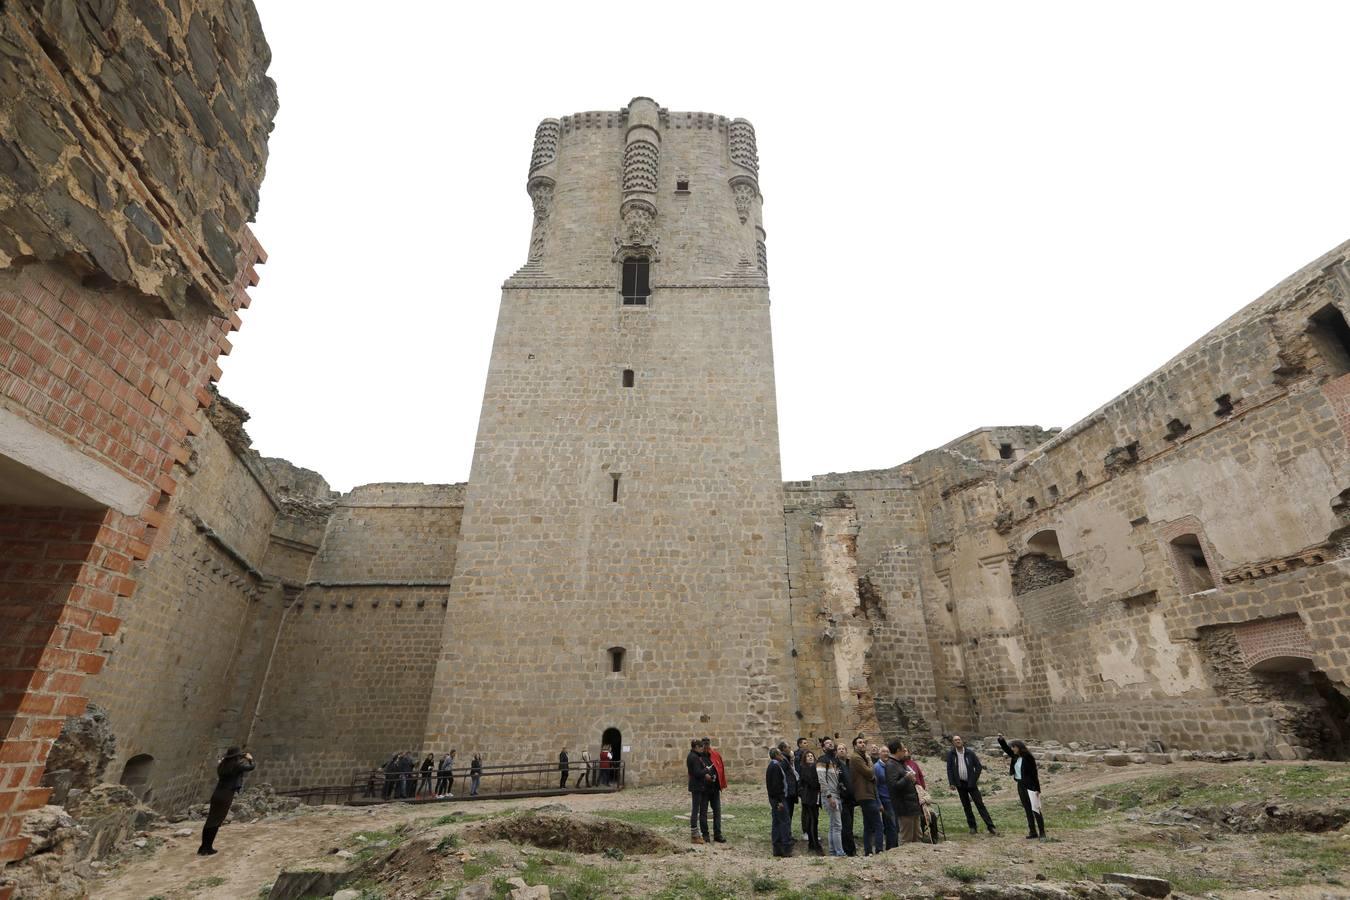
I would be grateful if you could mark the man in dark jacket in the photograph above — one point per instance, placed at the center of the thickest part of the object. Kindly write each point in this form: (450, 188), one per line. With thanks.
(229, 781)
(790, 768)
(390, 777)
(775, 782)
(698, 799)
(963, 774)
(863, 783)
(563, 768)
(901, 781)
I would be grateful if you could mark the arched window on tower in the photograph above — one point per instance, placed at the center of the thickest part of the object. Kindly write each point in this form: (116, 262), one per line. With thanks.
(636, 281)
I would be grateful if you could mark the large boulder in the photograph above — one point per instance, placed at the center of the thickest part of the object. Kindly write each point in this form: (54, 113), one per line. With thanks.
(108, 814)
(1147, 885)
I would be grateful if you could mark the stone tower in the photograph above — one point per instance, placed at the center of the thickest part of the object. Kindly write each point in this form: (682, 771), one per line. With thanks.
(621, 569)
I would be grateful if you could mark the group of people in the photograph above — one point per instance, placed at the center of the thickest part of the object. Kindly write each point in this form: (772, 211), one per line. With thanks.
(404, 779)
(594, 774)
(882, 783)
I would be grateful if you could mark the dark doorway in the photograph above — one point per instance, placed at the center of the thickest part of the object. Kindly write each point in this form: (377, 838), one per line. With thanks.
(613, 739)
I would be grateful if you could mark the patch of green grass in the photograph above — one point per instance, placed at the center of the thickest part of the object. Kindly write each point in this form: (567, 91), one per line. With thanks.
(364, 842)
(1091, 870)
(696, 887)
(481, 864)
(199, 884)
(571, 880)
(447, 842)
(963, 874)
(1315, 857)
(762, 883)
(1196, 882)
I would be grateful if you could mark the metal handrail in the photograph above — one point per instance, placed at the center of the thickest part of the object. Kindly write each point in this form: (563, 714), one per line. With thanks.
(510, 779)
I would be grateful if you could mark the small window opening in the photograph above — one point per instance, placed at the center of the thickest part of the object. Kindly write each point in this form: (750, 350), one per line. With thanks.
(1030, 503)
(627, 377)
(1223, 406)
(1081, 478)
(682, 185)
(614, 492)
(1005, 451)
(1053, 493)
(636, 281)
(616, 655)
(1176, 430)
(1192, 567)
(1329, 331)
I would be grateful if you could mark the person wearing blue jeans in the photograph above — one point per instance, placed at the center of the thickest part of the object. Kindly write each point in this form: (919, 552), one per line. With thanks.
(884, 798)
(775, 782)
(863, 781)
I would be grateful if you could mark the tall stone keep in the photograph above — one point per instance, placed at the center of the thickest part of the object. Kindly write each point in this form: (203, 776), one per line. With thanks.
(620, 575)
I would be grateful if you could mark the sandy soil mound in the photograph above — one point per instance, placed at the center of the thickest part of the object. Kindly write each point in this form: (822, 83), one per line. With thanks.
(572, 832)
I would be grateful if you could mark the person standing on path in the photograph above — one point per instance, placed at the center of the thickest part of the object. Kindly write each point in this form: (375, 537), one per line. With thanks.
(775, 782)
(830, 774)
(963, 774)
(717, 782)
(475, 773)
(1022, 767)
(698, 800)
(585, 768)
(902, 784)
(229, 781)
(863, 782)
(790, 769)
(880, 768)
(428, 767)
(809, 793)
(563, 770)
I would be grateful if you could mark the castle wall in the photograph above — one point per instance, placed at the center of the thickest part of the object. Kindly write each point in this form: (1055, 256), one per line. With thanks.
(353, 663)
(173, 673)
(1240, 441)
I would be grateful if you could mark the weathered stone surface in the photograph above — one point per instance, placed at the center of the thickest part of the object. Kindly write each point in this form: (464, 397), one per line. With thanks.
(322, 879)
(81, 753)
(160, 108)
(1147, 885)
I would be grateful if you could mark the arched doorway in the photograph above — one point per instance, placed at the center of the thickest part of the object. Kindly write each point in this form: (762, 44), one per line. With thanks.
(612, 738)
(136, 774)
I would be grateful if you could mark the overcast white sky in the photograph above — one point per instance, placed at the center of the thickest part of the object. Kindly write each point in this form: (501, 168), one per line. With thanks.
(978, 214)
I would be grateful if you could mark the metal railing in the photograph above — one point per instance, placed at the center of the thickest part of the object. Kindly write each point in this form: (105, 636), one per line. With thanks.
(500, 781)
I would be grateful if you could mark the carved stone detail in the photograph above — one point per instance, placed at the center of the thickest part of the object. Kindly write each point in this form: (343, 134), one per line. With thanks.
(545, 144)
(541, 195)
(640, 161)
(745, 191)
(741, 142)
(762, 256)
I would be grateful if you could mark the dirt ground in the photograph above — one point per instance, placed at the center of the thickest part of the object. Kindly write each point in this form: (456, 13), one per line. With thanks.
(439, 857)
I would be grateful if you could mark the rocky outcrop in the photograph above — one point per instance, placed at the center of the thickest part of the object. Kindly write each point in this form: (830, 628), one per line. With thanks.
(81, 754)
(134, 141)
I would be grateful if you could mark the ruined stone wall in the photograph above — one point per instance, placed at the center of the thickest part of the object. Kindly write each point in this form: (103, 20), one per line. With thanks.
(353, 664)
(1239, 441)
(167, 683)
(863, 657)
